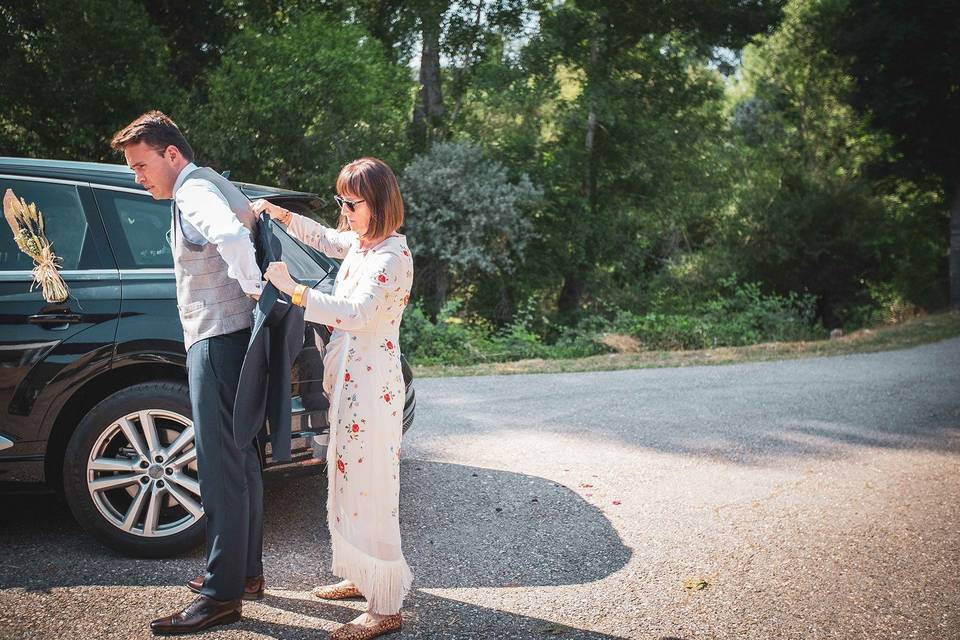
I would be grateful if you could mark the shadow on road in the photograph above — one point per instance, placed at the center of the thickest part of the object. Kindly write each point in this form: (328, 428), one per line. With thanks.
(462, 527)
(425, 616)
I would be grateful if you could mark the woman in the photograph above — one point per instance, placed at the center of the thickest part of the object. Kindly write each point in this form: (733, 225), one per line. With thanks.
(364, 382)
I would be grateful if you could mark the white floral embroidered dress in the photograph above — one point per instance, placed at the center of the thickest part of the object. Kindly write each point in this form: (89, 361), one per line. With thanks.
(364, 382)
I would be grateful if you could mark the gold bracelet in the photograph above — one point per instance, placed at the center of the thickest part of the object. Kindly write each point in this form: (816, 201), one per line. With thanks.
(297, 297)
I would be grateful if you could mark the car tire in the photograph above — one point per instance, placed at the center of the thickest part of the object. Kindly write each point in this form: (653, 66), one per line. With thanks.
(129, 472)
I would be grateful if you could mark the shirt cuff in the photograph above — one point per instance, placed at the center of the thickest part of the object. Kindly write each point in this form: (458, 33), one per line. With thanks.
(251, 287)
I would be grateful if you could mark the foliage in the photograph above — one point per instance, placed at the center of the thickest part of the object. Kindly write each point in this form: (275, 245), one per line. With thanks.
(73, 73)
(572, 170)
(291, 106)
(465, 217)
(630, 132)
(196, 33)
(903, 56)
(744, 316)
(741, 315)
(809, 217)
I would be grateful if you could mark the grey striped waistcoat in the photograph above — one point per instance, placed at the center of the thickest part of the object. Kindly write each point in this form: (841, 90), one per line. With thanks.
(210, 302)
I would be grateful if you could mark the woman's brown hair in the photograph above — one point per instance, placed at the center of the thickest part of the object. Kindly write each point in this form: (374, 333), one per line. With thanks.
(372, 180)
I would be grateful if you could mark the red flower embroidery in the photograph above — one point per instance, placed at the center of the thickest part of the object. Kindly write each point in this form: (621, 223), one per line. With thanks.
(386, 397)
(338, 320)
(330, 328)
(405, 252)
(346, 377)
(342, 467)
(355, 427)
(381, 278)
(389, 344)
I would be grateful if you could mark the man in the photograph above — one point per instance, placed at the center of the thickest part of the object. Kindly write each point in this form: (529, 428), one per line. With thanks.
(218, 281)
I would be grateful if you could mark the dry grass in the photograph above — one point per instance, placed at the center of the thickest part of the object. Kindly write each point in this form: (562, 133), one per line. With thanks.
(621, 343)
(920, 330)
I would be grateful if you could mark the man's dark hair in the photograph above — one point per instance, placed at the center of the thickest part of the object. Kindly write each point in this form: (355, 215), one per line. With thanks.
(157, 130)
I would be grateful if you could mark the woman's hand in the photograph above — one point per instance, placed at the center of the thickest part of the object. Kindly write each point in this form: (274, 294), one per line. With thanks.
(278, 274)
(276, 212)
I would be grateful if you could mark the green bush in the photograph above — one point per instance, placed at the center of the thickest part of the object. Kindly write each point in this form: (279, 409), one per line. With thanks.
(453, 340)
(446, 341)
(742, 315)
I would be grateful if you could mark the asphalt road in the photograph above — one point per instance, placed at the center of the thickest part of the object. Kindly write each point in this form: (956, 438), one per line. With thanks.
(811, 498)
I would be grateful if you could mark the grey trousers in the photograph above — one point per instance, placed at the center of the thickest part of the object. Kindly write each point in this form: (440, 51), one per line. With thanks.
(231, 481)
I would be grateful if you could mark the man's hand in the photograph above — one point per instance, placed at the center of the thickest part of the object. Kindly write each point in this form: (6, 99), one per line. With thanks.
(256, 295)
(279, 275)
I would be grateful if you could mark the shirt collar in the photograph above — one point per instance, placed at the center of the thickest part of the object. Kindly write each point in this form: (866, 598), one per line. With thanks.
(182, 177)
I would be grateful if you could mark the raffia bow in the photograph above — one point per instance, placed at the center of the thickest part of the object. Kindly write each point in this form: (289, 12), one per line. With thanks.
(26, 223)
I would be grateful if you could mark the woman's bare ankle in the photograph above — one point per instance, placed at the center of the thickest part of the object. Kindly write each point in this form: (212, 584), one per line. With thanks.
(377, 617)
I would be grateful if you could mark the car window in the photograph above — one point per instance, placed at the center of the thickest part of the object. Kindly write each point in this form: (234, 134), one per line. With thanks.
(303, 263)
(65, 225)
(137, 226)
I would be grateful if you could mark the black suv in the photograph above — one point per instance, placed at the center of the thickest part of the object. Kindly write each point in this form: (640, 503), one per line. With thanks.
(93, 387)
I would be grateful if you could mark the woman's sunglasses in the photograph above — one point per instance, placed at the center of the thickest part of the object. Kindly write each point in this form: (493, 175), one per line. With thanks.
(351, 204)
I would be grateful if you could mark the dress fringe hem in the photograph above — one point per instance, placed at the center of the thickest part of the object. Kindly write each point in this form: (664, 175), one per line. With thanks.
(384, 583)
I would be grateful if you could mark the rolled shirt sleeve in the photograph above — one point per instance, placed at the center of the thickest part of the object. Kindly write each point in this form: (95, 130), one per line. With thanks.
(207, 211)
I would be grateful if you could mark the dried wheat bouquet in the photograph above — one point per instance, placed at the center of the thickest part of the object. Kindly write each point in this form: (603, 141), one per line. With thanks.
(26, 223)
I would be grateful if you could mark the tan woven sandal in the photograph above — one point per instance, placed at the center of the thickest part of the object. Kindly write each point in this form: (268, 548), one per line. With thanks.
(336, 592)
(361, 632)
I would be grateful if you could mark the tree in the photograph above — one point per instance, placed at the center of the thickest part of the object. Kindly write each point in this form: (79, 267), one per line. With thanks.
(813, 213)
(462, 33)
(633, 125)
(453, 39)
(75, 72)
(197, 32)
(905, 57)
(292, 106)
(806, 219)
(465, 218)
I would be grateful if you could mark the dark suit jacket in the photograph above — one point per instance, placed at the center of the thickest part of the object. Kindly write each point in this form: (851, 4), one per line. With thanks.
(275, 342)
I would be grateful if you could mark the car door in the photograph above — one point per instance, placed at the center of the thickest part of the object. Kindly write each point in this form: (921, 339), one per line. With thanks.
(49, 345)
(138, 227)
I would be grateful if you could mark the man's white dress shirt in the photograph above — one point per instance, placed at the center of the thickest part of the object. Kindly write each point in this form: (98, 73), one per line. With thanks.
(206, 217)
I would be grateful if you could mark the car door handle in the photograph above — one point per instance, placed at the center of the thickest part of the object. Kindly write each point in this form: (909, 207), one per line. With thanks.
(54, 320)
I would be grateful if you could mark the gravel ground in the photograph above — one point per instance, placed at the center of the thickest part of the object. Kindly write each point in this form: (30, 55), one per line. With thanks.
(802, 499)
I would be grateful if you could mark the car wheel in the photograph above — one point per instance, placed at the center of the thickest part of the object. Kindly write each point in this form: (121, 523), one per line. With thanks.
(130, 472)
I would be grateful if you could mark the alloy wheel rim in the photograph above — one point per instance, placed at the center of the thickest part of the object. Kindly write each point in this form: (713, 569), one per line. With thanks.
(142, 474)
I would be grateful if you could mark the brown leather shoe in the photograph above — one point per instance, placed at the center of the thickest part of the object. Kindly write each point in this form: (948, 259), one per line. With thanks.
(200, 614)
(252, 588)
